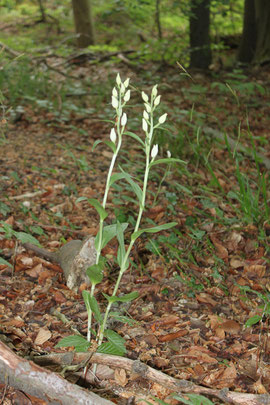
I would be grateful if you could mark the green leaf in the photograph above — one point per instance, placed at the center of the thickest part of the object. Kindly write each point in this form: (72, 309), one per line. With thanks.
(26, 238)
(95, 308)
(166, 160)
(116, 340)
(195, 399)
(115, 177)
(125, 298)
(97, 142)
(121, 318)
(81, 199)
(253, 320)
(95, 203)
(110, 348)
(154, 229)
(111, 145)
(79, 342)
(121, 249)
(108, 233)
(5, 262)
(95, 273)
(134, 136)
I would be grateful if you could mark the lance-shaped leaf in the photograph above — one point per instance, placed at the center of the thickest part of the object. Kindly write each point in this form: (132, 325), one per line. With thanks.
(91, 302)
(124, 298)
(121, 249)
(166, 160)
(135, 187)
(108, 143)
(154, 229)
(135, 136)
(101, 211)
(108, 233)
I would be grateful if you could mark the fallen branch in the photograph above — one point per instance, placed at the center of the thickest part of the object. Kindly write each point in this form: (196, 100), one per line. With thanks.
(28, 377)
(136, 367)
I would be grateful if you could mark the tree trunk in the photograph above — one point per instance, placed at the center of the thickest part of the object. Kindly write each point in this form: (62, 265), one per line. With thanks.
(199, 27)
(248, 41)
(84, 24)
(262, 12)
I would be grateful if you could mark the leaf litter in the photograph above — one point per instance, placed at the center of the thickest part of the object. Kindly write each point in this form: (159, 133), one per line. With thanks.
(198, 285)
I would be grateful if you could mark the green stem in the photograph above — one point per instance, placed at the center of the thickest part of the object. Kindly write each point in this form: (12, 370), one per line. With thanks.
(142, 206)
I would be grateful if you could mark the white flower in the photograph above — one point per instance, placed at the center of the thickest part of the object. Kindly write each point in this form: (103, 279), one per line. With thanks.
(145, 115)
(157, 101)
(169, 154)
(127, 96)
(114, 102)
(144, 96)
(122, 88)
(118, 79)
(162, 119)
(154, 91)
(113, 135)
(154, 151)
(124, 119)
(126, 82)
(144, 125)
(114, 92)
(147, 107)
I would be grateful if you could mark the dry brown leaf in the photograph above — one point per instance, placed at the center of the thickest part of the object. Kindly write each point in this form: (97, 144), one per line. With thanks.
(42, 336)
(120, 377)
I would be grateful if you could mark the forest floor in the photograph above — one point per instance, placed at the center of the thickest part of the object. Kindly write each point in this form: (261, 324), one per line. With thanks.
(198, 283)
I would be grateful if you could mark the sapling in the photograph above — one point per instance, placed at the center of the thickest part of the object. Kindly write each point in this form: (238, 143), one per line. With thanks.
(120, 96)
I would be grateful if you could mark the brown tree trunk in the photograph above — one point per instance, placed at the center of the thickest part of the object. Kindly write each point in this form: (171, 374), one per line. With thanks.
(262, 11)
(84, 24)
(248, 40)
(199, 27)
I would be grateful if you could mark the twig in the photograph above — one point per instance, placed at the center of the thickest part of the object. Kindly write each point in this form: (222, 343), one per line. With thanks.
(138, 368)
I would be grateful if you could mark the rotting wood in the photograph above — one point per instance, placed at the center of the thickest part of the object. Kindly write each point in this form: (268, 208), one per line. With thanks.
(142, 370)
(34, 380)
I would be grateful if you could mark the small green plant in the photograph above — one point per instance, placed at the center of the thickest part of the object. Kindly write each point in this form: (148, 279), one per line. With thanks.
(120, 97)
(265, 306)
(9, 233)
(189, 399)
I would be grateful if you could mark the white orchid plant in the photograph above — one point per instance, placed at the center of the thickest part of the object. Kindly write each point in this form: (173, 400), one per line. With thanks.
(120, 97)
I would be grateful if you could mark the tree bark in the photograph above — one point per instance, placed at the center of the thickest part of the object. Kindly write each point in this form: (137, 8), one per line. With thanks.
(199, 27)
(248, 41)
(84, 24)
(32, 379)
(262, 12)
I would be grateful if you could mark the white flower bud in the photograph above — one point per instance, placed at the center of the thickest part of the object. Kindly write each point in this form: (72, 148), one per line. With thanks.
(126, 82)
(124, 119)
(169, 154)
(144, 125)
(154, 151)
(147, 107)
(145, 115)
(113, 135)
(118, 80)
(114, 102)
(157, 101)
(114, 92)
(144, 97)
(154, 91)
(122, 88)
(127, 96)
(162, 119)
